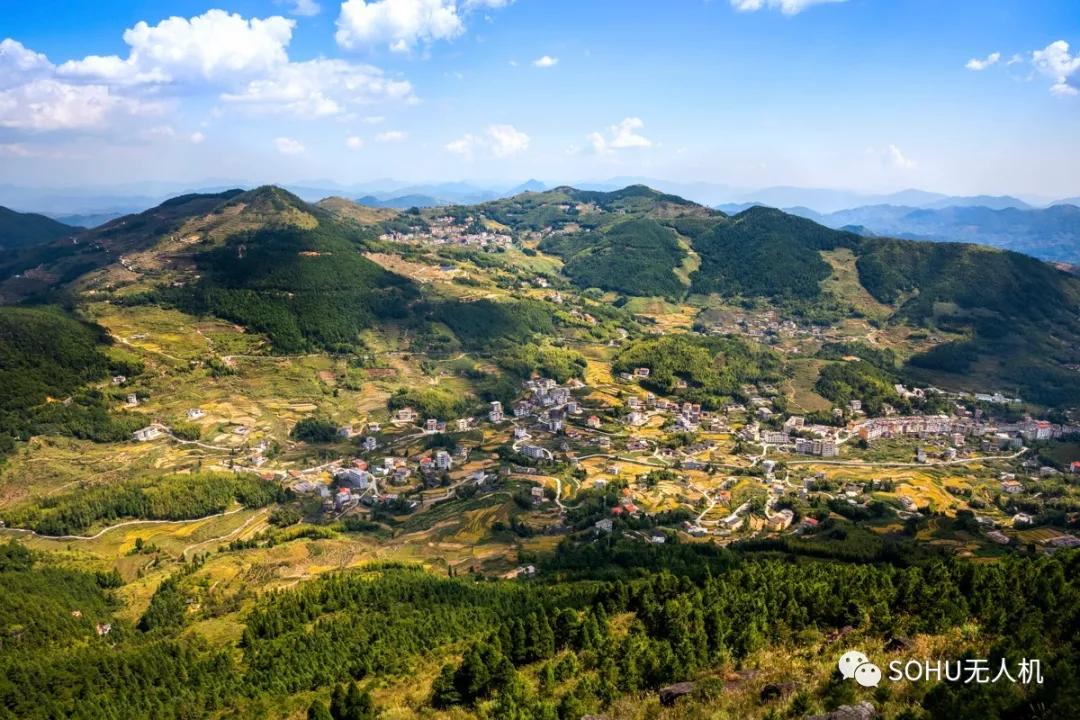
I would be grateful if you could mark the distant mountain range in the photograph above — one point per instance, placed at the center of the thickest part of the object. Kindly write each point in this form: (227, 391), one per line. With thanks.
(1051, 233)
(1035, 226)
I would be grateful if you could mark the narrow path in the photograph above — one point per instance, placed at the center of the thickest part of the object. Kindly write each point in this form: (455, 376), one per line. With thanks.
(264, 511)
(123, 524)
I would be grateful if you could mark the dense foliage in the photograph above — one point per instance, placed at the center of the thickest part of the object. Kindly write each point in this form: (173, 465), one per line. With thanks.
(843, 382)
(712, 368)
(765, 252)
(635, 257)
(314, 428)
(715, 608)
(560, 364)
(484, 324)
(304, 288)
(431, 402)
(46, 357)
(1021, 314)
(170, 497)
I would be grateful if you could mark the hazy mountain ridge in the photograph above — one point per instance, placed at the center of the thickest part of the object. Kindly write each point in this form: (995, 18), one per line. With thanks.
(23, 229)
(1051, 233)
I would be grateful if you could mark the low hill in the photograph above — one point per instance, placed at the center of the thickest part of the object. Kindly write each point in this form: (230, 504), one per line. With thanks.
(22, 229)
(362, 214)
(402, 202)
(46, 357)
(565, 206)
(635, 257)
(766, 252)
(1022, 315)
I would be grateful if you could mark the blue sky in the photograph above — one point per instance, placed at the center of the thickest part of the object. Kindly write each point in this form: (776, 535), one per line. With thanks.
(874, 95)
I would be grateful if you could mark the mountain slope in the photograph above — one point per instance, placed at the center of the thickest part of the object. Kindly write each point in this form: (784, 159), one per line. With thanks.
(268, 260)
(41, 268)
(22, 229)
(766, 252)
(46, 357)
(636, 257)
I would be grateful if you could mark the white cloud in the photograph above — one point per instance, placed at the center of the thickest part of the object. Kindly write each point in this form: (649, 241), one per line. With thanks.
(244, 60)
(19, 64)
(213, 46)
(48, 104)
(288, 146)
(894, 157)
(1016, 58)
(1059, 65)
(196, 138)
(392, 136)
(373, 119)
(1064, 89)
(354, 143)
(400, 24)
(506, 140)
(464, 145)
(625, 135)
(306, 8)
(319, 88)
(501, 141)
(160, 131)
(546, 61)
(983, 63)
(788, 7)
(15, 150)
(621, 135)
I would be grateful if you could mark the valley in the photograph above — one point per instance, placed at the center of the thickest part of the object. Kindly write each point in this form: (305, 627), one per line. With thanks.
(623, 420)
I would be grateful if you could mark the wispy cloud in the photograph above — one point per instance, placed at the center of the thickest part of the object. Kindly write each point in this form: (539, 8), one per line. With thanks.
(501, 141)
(983, 63)
(289, 146)
(545, 61)
(788, 7)
(306, 8)
(620, 136)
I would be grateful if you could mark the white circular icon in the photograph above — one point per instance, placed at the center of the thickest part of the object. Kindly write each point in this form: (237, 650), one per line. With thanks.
(850, 661)
(868, 675)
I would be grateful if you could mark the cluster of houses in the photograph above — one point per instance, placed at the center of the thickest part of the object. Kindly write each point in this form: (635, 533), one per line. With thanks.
(958, 429)
(768, 324)
(446, 231)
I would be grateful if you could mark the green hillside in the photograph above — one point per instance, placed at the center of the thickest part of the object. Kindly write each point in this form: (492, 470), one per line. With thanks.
(635, 257)
(60, 262)
(1021, 314)
(303, 288)
(708, 370)
(22, 229)
(45, 357)
(765, 252)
